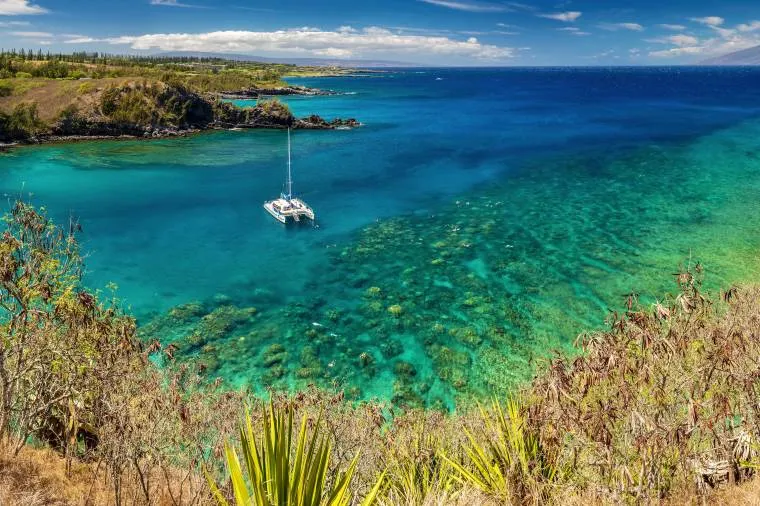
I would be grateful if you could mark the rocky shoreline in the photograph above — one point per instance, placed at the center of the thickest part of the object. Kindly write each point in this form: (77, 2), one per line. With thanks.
(201, 113)
(313, 122)
(254, 93)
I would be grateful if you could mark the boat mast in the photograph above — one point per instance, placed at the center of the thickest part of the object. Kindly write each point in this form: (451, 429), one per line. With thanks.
(290, 179)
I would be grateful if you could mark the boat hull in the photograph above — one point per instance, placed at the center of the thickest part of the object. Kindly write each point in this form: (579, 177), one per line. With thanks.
(277, 216)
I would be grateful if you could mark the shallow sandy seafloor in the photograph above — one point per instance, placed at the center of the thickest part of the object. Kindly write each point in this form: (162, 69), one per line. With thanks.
(439, 307)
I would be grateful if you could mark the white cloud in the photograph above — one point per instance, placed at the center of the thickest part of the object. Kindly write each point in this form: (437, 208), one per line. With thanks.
(170, 3)
(677, 51)
(19, 7)
(521, 7)
(749, 27)
(683, 40)
(368, 42)
(631, 26)
(418, 31)
(7, 24)
(725, 40)
(567, 17)
(80, 40)
(572, 30)
(334, 52)
(605, 54)
(467, 6)
(709, 20)
(675, 28)
(680, 40)
(613, 27)
(34, 35)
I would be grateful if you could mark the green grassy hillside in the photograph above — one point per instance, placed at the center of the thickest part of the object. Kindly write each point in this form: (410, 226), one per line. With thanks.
(43, 94)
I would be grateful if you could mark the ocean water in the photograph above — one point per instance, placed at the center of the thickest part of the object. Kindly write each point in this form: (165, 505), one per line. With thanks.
(477, 221)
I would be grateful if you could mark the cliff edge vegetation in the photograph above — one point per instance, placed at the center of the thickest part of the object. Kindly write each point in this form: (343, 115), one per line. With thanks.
(663, 406)
(51, 97)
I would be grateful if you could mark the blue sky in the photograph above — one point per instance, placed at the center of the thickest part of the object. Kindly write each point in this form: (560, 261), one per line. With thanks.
(439, 32)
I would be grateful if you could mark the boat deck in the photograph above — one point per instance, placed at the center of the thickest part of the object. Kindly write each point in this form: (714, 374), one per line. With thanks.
(294, 209)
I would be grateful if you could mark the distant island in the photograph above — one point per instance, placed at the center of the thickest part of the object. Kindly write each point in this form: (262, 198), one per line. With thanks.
(749, 56)
(47, 98)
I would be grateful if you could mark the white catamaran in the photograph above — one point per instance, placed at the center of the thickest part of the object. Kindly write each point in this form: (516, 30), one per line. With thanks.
(287, 207)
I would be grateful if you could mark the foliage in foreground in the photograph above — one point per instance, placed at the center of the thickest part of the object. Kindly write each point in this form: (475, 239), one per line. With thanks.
(513, 465)
(74, 377)
(667, 398)
(280, 475)
(662, 405)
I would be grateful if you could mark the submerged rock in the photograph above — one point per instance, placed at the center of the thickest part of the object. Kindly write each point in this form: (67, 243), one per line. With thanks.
(315, 122)
(187, 312)
(274, 355)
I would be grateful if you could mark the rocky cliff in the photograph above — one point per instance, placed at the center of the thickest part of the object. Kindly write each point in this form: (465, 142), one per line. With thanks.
(161, 110)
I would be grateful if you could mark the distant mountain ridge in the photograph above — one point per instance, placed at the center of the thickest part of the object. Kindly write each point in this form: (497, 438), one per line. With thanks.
(313, 62)
(749, 56)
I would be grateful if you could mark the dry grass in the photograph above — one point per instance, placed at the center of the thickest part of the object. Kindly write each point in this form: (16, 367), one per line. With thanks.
(52, 96)
(38, 476)
(747, 494)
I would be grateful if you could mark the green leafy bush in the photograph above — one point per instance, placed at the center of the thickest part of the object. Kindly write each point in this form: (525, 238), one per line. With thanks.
(127, 104)
(22, 123)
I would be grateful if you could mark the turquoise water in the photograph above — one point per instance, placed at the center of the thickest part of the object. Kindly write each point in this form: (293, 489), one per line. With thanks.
(473, 224)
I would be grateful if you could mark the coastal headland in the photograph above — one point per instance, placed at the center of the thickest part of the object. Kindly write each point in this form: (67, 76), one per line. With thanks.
(77, 97)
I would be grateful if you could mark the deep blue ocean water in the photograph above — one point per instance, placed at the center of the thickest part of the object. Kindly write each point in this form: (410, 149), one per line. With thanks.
(479, 218)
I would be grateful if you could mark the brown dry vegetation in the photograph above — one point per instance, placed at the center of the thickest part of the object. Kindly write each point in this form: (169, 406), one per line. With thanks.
(53, 96)
(37, 477)
(662, 407)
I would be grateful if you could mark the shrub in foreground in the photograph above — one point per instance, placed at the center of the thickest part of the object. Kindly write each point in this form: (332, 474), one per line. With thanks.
(666, 400)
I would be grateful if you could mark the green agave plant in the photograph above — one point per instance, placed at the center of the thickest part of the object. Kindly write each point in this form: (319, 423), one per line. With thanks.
(513, 465)
(279, 476)
(412, 482)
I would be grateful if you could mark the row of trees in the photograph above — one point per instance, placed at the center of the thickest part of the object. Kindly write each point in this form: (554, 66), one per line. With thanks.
(50, 69)
(99, 58)
(201, 73)
(25, 54)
